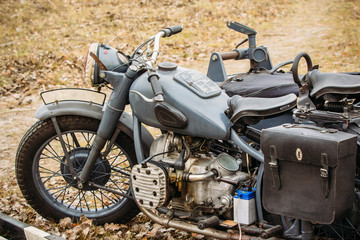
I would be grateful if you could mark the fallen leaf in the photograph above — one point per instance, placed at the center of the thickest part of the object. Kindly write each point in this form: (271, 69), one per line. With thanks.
(112, 227)
(65, 223)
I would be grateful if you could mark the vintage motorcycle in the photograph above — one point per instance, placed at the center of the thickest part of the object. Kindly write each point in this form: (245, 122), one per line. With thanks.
(210, 171)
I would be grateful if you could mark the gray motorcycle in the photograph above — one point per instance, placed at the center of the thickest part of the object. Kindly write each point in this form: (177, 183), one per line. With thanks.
(211, 170)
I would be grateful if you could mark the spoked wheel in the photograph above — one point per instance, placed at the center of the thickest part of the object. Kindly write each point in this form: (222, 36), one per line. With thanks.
(46, 182)
(344, 228)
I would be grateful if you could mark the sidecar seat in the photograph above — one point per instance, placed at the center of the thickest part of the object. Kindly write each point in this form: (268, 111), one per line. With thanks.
(338, 83)
(261, 84)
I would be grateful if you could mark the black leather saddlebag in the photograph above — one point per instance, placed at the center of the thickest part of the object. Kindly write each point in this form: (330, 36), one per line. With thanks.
(309, 172)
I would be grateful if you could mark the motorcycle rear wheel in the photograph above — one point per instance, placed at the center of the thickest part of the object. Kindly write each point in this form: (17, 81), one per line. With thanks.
(44, 177)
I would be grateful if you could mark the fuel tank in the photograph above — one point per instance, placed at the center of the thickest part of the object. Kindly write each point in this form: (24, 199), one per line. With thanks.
(193, 104)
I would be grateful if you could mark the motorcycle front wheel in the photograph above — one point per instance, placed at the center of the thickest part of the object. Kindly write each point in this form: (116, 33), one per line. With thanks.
(45, 180)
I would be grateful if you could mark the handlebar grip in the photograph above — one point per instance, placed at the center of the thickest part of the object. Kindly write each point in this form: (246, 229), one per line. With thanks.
(172, 30)
(156, 87)
(229, 55)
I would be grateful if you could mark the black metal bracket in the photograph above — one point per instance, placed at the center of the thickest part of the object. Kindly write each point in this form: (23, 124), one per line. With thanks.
(244, 30)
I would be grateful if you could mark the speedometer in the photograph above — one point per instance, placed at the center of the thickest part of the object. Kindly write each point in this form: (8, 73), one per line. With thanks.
(122, 57)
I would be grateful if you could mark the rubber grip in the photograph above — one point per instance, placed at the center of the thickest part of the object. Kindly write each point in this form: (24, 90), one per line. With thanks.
(230, 55)
(155, 84)
(172, 30)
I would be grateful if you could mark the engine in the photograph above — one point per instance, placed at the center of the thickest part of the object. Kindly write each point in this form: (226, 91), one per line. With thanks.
(185, 175)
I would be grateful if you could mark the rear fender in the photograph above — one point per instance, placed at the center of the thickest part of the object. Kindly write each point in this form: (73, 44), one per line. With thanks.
(86, 109)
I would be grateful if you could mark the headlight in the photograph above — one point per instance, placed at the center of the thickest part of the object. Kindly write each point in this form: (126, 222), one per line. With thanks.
(114, 60)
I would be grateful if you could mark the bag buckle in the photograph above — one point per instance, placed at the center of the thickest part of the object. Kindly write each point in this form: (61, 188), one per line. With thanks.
(324, 173)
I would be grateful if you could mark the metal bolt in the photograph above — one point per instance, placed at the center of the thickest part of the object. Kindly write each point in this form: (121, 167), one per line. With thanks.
(214, 58)
(133, 68)
(80, 185)
(102, 75)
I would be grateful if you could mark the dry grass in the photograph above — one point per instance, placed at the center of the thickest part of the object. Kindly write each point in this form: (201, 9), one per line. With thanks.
(43, 42)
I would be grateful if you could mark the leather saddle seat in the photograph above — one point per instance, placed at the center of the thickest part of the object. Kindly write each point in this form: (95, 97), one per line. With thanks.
(241, 107)
(336, 83)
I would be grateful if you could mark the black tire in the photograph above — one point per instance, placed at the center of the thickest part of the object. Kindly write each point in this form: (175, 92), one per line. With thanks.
(40, 165)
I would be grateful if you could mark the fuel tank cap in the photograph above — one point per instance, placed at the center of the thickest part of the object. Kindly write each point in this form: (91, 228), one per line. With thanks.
(167, 66)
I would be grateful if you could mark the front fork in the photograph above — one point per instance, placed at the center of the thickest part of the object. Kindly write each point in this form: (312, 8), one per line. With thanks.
(113, 111)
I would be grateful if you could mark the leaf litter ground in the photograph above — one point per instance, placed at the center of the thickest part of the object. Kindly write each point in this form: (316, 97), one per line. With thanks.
(43, 43)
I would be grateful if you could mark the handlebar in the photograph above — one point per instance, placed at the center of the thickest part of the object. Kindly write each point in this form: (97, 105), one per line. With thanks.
(166, 32)
(154, 78)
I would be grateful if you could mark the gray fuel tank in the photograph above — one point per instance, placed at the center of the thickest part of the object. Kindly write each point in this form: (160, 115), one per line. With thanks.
(193, 104)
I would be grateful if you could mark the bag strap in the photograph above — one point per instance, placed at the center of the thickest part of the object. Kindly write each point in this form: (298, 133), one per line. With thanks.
(274, 168)
(312, 127)
(324, 174)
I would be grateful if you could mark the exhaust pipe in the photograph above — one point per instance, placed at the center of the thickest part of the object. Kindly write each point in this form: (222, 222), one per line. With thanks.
(192, 227)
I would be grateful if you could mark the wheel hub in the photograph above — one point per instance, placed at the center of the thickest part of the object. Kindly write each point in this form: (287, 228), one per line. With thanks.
(100, 174)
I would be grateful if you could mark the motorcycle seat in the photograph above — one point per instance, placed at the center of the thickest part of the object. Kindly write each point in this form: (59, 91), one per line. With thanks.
(338, 83)
(240, 107)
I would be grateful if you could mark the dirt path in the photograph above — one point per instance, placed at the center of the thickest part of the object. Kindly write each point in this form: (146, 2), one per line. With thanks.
(303, 30)
(14, 123)
(306, 23)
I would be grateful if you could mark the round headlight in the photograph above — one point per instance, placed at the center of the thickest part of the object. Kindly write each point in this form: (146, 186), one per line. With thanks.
(114, 60)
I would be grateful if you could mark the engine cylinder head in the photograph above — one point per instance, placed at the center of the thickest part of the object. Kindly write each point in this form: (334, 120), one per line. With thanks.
(149, 185)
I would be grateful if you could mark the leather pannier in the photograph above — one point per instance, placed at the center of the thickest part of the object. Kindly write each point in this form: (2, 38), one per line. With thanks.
(309, 172)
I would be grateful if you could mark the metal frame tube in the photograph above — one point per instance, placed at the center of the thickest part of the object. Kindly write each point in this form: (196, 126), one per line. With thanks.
(137, 140)
(245, 147)
(258, 193)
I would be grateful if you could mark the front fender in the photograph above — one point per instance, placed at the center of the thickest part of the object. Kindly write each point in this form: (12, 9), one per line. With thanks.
(91, 110)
